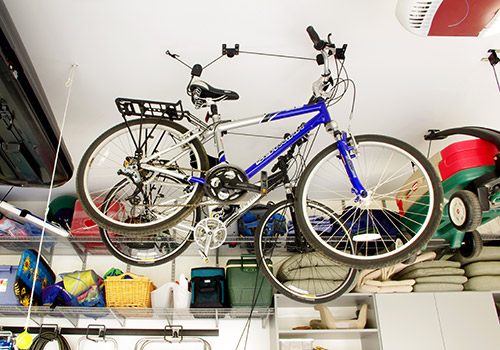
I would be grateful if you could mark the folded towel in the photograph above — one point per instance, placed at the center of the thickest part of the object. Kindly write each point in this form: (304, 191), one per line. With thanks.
(433, 271)
(367, 275)
(427, 265)
(390, 283)
(438, 287)
(388, 289)
(482, 268)
(457, 279)
(386, 273)
(483, 283)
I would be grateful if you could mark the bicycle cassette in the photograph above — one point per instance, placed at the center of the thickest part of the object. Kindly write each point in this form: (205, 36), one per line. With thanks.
(226, 183)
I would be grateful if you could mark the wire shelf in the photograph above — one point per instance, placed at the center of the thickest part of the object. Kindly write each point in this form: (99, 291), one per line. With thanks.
(126, 312)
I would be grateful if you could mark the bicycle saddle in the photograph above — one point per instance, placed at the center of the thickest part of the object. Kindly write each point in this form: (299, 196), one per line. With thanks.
(208, 91)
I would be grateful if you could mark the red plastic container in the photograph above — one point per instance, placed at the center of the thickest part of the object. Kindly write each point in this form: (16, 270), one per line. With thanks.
(83, 226)
(466, 155)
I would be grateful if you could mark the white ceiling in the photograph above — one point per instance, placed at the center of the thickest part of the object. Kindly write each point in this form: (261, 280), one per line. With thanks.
(405, 84)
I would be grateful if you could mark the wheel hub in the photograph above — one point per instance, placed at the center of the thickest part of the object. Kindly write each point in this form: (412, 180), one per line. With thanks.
(365, 202)
(457, 212)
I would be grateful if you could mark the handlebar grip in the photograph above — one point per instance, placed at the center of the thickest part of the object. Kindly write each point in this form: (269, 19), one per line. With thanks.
(318, 43)
(313, 35)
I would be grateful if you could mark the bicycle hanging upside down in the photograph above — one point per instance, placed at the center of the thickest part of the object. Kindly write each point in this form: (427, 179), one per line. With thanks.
(149, 176)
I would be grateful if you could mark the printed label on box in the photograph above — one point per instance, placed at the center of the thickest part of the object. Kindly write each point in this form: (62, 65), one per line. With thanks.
(3, 285)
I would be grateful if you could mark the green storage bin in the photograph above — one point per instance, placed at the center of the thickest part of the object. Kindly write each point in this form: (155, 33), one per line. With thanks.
(244, 279)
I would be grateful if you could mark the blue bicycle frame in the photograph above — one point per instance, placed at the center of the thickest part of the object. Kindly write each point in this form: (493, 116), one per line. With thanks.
(322, 117)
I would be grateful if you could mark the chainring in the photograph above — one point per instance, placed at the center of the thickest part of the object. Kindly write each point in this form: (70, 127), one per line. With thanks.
(210, 230)
(220, 182)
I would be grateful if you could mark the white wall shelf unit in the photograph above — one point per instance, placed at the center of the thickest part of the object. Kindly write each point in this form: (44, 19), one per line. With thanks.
(290, 314)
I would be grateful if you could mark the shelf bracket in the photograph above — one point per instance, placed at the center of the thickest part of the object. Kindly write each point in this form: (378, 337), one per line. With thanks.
(70, 316)
(172, 275)
(265, 320)
(79, 251)
(48, 253)
(120, 319)
(38, 321)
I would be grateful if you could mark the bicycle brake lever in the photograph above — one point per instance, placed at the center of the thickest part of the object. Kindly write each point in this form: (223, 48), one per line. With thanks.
(330, 44)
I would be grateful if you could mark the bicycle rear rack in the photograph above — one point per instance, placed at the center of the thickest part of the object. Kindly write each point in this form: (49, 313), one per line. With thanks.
(156, 109)
(142, 108)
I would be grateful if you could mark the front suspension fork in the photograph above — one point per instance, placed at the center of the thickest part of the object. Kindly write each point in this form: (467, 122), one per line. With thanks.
(346, 153)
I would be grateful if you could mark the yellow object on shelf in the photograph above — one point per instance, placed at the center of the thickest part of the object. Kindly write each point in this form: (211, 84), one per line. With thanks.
(128, 290)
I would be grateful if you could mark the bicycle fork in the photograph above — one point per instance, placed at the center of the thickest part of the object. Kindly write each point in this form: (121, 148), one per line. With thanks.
(346, 153)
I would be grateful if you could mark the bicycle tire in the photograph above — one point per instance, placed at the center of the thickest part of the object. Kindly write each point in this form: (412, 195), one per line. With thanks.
(303, 274)
(154, 250)
(397, 218)
(112, 164)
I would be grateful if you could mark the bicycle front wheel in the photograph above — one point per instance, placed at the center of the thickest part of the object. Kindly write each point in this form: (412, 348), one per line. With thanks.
(134, 178)
(396, 219)
(291, 265)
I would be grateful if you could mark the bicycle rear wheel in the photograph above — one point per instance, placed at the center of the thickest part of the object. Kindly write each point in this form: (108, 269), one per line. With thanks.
(138, 201)
(152, 250)
(291, 265)
(397, 218)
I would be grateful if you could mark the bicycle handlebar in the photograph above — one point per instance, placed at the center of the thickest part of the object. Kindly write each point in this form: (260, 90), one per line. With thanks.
(318, 43)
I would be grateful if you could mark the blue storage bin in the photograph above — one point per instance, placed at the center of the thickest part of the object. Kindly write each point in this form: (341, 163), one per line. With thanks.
(7, 281)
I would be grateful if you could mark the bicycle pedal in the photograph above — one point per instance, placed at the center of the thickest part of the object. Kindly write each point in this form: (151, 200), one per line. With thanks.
(263, 182)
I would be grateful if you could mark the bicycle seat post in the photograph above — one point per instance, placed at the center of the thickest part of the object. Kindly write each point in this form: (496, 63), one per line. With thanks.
(214, 114)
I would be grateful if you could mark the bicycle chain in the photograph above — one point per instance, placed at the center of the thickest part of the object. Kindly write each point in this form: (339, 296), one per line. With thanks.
(202, 172)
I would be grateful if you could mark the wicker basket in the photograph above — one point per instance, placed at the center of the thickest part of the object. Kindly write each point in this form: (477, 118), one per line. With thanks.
(128, 292)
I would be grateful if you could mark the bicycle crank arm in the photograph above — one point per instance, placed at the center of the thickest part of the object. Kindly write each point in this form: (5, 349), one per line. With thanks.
(204, 252)
(262, 188)
(243, 186)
